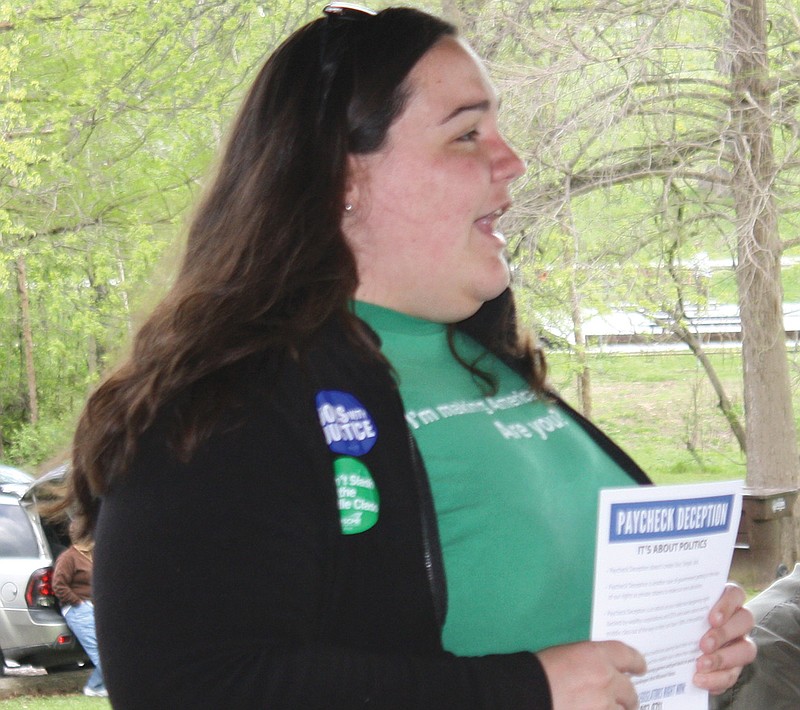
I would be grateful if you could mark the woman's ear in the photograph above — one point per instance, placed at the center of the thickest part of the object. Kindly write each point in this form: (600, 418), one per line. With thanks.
(354, 188)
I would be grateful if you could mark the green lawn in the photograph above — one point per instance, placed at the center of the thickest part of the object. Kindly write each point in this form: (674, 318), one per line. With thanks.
(55, 702)
(723, 285)
(662, 410)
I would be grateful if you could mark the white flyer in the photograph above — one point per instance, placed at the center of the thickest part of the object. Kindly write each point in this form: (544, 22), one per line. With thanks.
(663, 557)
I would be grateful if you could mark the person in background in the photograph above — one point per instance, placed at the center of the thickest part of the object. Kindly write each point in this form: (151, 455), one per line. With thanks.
(332, 474)
(72, 584)
(772, 680)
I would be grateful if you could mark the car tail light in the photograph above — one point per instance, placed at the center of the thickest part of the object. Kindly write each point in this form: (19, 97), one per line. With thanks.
(63, 640)
(39, 593)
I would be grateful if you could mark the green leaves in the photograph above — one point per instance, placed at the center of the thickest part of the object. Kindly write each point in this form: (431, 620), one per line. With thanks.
(111, 113)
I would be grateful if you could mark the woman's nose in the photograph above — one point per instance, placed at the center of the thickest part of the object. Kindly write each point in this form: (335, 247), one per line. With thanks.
(507, 166)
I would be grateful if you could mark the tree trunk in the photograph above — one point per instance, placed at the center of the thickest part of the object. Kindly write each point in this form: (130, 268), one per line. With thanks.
(769, 421)
(583, 379)
(27, 339)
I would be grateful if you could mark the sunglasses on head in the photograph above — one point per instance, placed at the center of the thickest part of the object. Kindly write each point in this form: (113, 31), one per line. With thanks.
(347, 11)
(337, 15)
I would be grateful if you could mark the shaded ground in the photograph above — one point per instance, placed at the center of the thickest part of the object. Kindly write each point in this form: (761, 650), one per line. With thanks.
(27, 680)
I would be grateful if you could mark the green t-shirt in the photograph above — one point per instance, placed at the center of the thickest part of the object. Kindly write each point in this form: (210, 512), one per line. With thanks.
(515, 483)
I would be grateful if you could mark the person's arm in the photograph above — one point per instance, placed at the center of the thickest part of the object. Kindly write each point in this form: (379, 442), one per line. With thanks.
(62, 579)
(771, 680)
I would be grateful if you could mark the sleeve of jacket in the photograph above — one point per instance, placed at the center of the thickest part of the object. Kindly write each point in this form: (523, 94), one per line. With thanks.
(217, 585)
(771, 681)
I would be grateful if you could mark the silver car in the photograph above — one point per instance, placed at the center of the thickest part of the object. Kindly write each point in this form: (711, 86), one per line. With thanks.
(32, 630)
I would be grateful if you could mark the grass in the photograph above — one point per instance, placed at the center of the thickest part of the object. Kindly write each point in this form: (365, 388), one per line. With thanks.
(662, 410)
(660, 406)
(55, 702)
(724, 290)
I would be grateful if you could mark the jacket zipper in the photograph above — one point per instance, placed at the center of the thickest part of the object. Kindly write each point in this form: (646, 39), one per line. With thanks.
(434, 564)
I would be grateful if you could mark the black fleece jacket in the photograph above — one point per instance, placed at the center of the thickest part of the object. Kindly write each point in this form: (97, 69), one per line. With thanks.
(226, 582)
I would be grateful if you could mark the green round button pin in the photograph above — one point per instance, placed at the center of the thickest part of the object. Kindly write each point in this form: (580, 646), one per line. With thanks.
(359, 501)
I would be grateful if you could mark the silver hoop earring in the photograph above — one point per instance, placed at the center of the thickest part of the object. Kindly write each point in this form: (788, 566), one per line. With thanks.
(348, 207)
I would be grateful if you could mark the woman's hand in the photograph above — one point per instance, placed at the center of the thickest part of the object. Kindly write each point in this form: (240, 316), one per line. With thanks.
(726, 647)
(592, 675)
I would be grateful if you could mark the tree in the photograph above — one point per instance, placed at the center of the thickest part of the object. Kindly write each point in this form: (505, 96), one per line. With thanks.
(111, 115)
(771, 433)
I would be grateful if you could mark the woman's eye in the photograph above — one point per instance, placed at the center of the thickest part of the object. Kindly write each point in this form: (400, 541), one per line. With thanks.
(469, 136)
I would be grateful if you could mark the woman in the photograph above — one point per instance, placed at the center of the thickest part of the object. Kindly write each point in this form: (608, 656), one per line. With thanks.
(304, 419)
(72, 584)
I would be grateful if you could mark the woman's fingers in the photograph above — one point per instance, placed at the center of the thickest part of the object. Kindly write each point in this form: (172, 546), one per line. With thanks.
(592, 675)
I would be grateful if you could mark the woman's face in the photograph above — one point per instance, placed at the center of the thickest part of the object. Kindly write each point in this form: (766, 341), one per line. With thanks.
(422, 226)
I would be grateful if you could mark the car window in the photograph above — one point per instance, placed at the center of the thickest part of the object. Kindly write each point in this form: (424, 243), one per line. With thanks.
(14, 475)
(16, 535)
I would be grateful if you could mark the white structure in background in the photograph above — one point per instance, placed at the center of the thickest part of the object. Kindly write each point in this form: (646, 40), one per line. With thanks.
(632, 328)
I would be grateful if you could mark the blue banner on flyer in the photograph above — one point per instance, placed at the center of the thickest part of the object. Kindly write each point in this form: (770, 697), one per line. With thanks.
(655, 520)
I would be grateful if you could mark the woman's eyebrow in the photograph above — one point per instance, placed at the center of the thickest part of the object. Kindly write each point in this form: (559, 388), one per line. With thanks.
(484, 105)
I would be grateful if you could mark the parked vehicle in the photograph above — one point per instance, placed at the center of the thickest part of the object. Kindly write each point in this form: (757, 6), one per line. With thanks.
(12, 480)
(32, 630)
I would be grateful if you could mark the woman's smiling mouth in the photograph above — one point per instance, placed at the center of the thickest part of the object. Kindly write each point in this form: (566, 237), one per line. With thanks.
(486, 224)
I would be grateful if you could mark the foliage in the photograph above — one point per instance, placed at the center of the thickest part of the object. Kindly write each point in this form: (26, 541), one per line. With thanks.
(112, 114)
